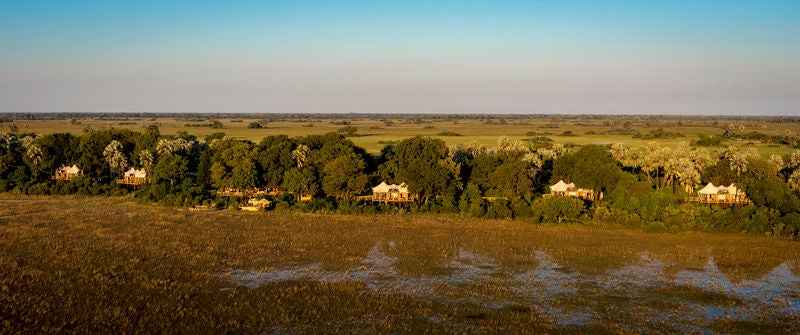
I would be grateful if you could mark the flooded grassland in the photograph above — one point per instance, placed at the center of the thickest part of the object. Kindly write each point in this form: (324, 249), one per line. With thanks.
(109, 265)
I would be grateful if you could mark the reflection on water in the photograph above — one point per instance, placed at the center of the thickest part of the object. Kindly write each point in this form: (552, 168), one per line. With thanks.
(688, 300)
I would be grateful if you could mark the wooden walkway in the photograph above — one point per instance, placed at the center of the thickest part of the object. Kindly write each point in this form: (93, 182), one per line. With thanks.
(724, 203)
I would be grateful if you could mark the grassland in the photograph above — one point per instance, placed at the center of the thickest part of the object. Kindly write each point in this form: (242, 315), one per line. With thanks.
(110, 265)
(373, 133)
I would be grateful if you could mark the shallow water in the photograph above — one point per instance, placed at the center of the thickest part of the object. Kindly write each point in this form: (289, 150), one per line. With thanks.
(689, 300)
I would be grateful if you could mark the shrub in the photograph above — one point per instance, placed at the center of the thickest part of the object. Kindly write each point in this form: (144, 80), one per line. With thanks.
(557, 208)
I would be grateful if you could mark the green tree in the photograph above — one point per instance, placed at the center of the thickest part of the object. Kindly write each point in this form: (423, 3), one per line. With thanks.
(147, 161)
(299, 181)
(114, 157)
(480, 168)
(170, 167)
(558, 208)
(232, 155)
(423, 164)
(275, 158)
(344, 176)
(300, 155)
(34, 154)
(763, 186)
(512, 178)
(470, 201)
(590, 167)
(243, 175)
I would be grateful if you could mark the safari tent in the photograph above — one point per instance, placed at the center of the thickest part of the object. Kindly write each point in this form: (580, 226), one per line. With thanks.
(391, 193)
(722, 194)
(569, 190)
(67, 172)
(133, 177)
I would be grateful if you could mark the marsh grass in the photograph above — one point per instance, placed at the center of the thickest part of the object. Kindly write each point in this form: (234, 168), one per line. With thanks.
(110, 265)
(376, 133)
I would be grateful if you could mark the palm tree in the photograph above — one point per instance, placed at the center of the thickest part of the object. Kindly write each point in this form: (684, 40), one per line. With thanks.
(34, 152)
(702, 158)
(177, 145)
(777, 161)
(794, 160)
(114, 157)
(619, 152)
(794, 180)
(738, 161)
(146, 160)
(300, 155)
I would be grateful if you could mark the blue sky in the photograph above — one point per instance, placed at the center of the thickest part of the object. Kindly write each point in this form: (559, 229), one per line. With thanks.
(613, 57)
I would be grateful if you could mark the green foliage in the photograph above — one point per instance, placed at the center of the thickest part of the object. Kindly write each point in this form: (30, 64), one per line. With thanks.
(183, 170)
(499, 209)
(344, 176)
(511, 178)
(648, 204)
(709, 141)
(480, 167)
(422, 163)
(299, 181)
(348, 131)
(471, 202)
(170, 167)
(232, 165)
(557, 208)
(274, 159)
(591, 167)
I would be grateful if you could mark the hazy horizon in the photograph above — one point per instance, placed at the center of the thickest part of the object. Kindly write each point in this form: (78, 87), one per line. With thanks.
(479, 57)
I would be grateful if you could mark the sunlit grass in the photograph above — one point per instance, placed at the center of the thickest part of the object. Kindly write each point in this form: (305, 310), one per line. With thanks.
(111, 265)
(374, 134)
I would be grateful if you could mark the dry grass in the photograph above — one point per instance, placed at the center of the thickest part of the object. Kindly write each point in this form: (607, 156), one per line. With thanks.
(111, 265)
(374, 134)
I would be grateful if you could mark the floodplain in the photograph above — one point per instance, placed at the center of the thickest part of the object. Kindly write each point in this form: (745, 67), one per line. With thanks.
(374, 132)
(110, 264)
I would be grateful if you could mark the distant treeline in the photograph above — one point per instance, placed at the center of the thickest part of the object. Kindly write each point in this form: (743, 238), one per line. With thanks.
(8, 117)
(642, 186)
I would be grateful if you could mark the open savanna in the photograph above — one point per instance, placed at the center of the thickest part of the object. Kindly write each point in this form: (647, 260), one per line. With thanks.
(375, 132)
(112, 265)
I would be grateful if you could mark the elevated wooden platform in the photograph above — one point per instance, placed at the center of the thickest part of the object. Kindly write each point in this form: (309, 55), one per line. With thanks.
(248, 193)
(723, 203)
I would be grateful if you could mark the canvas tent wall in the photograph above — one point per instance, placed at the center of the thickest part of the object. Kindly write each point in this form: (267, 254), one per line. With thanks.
(67, 172)
(391, 193)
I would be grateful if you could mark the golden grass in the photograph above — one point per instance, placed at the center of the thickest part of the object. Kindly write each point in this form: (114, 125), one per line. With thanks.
(111, 265)
(374, 133)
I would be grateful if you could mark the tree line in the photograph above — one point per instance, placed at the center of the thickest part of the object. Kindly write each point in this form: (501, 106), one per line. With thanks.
(643, 186)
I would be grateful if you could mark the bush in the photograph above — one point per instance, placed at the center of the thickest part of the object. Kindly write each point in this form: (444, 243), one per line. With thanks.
(498, 209)
(557, 208)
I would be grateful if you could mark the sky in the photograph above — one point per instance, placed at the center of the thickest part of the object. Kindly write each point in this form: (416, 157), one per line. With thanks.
(705, 57)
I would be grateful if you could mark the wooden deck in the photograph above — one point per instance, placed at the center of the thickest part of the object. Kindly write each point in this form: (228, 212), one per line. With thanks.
(132, 182)
(393, 200)
(248, 193)
(724, 203)
(64, 176)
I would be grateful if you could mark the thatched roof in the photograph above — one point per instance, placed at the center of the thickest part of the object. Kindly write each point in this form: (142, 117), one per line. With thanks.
(561, 186)
(135, 173)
